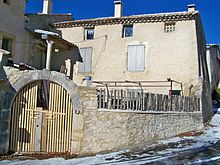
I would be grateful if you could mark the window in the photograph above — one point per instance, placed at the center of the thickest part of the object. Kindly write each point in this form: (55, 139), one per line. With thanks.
(86, 65)
(89, 33)
(136, 58)
(7, 44)
(127, 31)
(6, 2)
(169, 27)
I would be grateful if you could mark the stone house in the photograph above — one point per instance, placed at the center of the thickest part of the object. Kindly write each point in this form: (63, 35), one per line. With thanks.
(151, 47)
(45, 111)
(141, 47)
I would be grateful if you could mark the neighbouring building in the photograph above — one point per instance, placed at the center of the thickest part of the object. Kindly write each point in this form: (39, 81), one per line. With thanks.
(12, 31)
(27, 43)
(213, 62)
(28, 36)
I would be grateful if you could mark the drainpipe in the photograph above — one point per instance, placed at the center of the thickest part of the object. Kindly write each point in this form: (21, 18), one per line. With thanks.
(49, 51)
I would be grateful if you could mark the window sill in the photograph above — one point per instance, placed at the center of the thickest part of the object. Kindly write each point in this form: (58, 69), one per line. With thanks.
(89, 39)
(128, 37)
(135, 71)
(86, 73)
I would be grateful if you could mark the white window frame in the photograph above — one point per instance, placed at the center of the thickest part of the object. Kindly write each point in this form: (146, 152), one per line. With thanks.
(86, 30)
(124, 31)
(133, 63)
(86, 65)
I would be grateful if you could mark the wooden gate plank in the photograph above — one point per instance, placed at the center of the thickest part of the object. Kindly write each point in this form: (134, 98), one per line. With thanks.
(25, 136)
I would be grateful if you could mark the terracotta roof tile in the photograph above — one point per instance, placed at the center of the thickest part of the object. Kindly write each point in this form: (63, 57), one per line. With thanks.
(146, 18)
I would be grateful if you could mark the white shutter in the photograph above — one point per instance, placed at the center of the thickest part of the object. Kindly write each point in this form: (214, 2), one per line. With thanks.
(131, 58)
(140, 60)
(88, 63)
(136, 58)
(81, 64)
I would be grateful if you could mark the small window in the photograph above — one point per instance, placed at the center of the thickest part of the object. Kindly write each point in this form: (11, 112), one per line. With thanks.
(6, 2)
(86, 65)
(136, 58)
(89, 33)
(7, 44)
(170, 27)
(127, 31)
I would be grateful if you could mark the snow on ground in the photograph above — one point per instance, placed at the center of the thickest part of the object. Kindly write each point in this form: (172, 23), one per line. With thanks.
(167, 149)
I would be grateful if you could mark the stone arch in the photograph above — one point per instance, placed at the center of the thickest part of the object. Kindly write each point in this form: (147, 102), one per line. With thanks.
(53, 76)
(7, 97)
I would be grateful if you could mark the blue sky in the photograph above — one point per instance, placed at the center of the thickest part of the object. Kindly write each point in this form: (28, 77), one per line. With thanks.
(82, 9)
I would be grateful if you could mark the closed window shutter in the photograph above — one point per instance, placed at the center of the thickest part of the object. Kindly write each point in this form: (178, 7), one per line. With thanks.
(140, 60)
(131, 58)
(81, 64)
(136, 58)
(86, 65)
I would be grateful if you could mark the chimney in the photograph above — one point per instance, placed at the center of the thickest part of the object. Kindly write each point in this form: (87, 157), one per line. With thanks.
(118, 9)
(192, 7)
(48, 6)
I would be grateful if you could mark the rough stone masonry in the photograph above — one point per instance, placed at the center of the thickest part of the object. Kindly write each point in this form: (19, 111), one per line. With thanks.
(99, 130)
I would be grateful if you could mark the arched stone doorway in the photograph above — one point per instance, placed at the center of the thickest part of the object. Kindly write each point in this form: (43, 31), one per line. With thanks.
(42, 112)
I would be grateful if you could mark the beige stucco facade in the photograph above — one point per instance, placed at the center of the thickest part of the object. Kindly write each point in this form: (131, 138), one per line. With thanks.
(167, 55)
(12, 27)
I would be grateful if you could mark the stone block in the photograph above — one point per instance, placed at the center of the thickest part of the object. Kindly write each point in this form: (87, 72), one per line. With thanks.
(58, 77)
(5, 114)
(3, 150)
(78, 122)
(77, 134)
(90, 104)
(7, 101)
(76, 147)
(4, 139)
(4, 126)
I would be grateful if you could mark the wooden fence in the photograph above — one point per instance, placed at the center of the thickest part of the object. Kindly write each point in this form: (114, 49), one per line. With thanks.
(125, 99)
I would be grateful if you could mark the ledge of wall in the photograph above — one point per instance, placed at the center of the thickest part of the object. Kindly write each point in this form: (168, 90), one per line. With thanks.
(97, 131)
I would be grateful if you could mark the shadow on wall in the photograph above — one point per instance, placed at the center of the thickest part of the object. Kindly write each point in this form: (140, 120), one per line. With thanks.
(6, 95)
(65, 58)
(10, 132)
(18, 136)
(203, 73)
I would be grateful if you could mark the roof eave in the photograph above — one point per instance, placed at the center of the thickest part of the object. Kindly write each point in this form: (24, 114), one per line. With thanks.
(148, 18)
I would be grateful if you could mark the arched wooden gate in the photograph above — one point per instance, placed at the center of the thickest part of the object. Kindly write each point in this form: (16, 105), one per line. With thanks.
(41, 119)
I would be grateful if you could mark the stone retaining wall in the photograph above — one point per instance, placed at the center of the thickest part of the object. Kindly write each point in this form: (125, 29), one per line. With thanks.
(96, 130)
(103, 130)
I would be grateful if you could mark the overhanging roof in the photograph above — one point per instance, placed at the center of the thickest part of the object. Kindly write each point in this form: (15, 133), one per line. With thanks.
(145, 18)
(60, 42)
